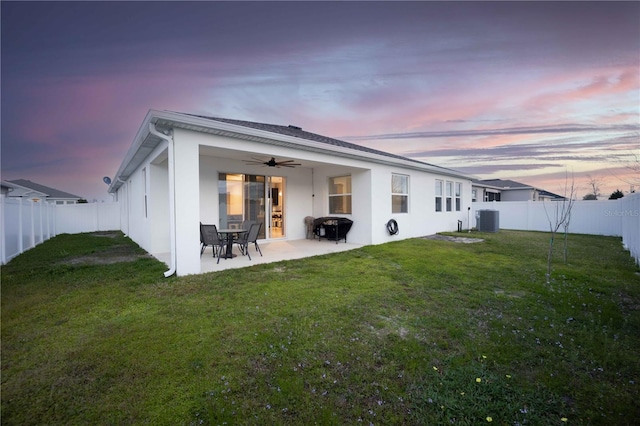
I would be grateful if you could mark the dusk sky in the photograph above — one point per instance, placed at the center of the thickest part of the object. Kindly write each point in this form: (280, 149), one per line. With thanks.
(510, 90)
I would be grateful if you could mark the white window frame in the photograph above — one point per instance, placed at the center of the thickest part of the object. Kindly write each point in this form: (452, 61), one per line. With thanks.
(400, 195)
(439, 193)
(448, 187)
(347, 204)
(458, 195)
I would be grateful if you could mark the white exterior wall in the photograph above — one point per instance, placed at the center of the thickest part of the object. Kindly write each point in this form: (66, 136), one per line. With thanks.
(360, 198)
(200, 157)
(150, 231)
(158, 206)
(187, 202)
(122, 198)
(362, 206)
(421, 219)
(137, 223)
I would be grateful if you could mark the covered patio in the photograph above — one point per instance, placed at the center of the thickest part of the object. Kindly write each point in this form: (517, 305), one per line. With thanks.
(272, 251)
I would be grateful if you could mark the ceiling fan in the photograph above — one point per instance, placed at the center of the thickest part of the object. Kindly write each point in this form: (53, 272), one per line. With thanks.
(273, 163)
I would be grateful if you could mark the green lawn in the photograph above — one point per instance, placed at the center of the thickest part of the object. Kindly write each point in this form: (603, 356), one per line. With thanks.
(411, 332)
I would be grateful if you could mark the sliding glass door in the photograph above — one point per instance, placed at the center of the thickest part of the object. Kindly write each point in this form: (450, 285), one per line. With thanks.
(252, 197)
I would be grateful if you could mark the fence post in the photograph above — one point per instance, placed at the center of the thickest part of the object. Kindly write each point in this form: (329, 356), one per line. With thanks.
(96, 217)
(41, 230)
(3, 235)
(32, 228)
(48, 214)
(20, 226)
(54, 213)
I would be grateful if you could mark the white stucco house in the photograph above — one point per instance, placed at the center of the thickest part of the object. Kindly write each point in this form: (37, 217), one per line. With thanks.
(184, 169)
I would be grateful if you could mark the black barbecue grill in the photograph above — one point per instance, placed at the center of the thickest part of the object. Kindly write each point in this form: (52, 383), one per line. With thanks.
(332, 228)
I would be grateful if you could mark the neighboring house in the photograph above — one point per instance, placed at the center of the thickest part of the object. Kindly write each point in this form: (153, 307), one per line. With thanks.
(10, 189)
(183, 169)
(508, 190)
(36, 192)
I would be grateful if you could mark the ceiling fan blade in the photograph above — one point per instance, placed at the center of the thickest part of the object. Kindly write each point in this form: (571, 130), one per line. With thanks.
(272, 162)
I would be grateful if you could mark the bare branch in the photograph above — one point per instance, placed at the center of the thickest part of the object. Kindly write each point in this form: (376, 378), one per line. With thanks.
(561, 213)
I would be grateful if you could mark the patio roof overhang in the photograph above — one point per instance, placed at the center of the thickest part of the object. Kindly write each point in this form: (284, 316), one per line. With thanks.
(145, 142)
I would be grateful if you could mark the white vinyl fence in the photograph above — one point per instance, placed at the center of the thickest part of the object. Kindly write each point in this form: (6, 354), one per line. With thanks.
(25, 223)
(620, 218)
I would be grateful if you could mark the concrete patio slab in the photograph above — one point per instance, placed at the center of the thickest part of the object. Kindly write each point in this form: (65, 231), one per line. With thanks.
(272, 251)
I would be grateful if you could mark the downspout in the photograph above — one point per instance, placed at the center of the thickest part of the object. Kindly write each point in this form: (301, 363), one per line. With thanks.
(172, 197)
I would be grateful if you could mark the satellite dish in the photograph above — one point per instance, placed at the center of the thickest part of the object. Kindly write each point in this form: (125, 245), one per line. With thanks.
(107, 180)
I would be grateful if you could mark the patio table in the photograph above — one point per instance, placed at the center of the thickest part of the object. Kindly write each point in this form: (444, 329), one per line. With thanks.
(229, 234)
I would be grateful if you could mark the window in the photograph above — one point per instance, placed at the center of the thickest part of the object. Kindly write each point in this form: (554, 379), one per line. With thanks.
(492, 196)
(458, 196)
(474, 195)
(449, 194)
(439, 185)
(399, 193)
(340, 195)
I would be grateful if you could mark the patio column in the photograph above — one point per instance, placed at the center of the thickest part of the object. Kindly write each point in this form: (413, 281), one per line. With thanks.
(187, 205)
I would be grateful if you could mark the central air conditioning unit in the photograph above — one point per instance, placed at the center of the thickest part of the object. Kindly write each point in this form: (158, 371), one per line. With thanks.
(488, 220)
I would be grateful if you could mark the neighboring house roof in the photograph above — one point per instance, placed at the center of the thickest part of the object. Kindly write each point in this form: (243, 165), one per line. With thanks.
(11, 189)
(290, 136)
(551, 195)
(501, 184)
(44, 190)
(506, 185)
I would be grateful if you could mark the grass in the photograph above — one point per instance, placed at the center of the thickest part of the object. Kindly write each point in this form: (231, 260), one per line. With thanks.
(417, 332)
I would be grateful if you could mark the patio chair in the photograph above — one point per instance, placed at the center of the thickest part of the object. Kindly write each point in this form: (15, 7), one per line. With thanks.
(249, 237)
(253, 237)
(247, 224)
(209, 237)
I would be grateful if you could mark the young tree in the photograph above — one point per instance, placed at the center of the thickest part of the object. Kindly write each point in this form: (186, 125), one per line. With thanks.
(560, 216)
(594, 183)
